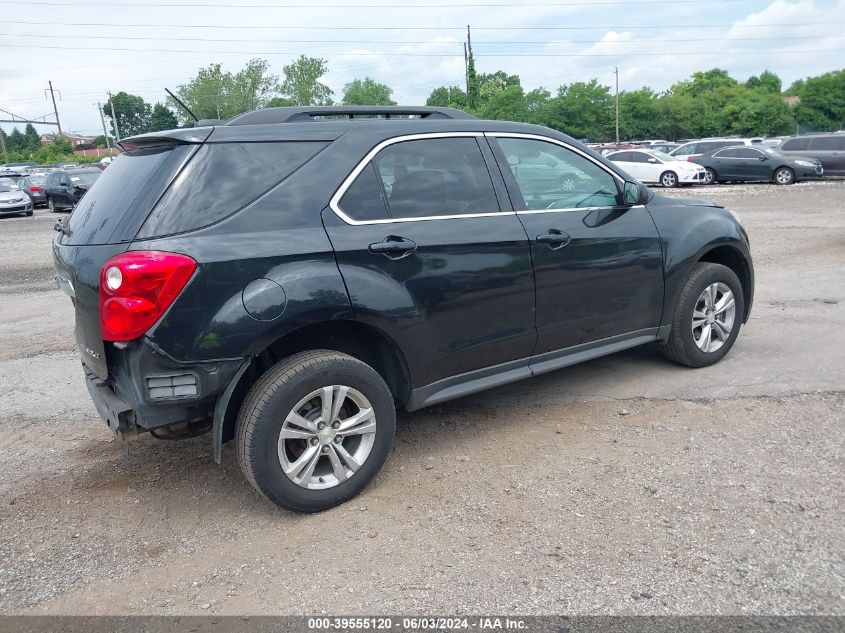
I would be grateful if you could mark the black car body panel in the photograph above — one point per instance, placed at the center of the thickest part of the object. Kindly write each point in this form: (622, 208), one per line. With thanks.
(460, 300)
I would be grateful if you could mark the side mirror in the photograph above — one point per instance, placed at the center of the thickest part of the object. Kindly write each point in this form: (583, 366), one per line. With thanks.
(630, 194)
(652, 160)
(762, 158)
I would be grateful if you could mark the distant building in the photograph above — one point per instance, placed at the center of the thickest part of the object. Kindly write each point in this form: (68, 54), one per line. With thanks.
(75, 139)
(792, 100)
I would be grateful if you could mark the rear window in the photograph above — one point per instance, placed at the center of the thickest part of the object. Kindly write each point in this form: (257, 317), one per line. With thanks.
(222, 179)
(106, 203)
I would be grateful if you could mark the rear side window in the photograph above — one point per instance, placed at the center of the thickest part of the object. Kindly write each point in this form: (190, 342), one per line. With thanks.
(828, 143)
(222, 179)
(111, 196)
(364, 200)
(431, 177)
(424, 178)
(796, 144)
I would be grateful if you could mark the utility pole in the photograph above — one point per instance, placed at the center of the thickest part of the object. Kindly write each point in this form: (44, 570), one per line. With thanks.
(55, 109)
(470, 101)
(114, 120)
(103, 121)
(466, 67)
(3, 146)
(616, 72)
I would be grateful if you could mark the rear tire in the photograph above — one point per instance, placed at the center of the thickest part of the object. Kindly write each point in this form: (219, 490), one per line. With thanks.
(29, 213)
(669, 179)
(698, 337)
(784, 176)
(709, 176)
(51, 205)
(291, 453)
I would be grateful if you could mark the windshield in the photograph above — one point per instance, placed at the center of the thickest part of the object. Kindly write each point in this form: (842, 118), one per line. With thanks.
(8, 185)
(661, 155)
(83, 178)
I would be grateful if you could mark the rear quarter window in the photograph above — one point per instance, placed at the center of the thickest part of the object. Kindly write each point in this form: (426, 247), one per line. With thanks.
(828, 143)
(220, 180)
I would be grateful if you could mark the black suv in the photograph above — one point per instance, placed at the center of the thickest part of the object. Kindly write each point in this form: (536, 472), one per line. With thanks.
(63, 189)
(289, 277)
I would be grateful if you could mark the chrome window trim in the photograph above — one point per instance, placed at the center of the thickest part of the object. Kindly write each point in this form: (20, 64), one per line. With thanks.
(334, 203)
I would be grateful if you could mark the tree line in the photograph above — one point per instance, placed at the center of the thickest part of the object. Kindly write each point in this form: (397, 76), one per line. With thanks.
(708, 103)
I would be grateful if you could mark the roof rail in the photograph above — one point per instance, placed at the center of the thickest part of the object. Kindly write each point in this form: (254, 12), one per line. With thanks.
(316, 113)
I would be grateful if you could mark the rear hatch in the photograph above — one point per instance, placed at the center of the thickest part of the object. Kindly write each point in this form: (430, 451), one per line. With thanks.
(106, 221)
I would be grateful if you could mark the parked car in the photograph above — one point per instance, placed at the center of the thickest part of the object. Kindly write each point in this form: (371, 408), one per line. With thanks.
(64, 188)
(692, 149)
(656, 167)
(288, 278)
(33, 186)
(13, 201)
(749, 164)
(827, 148)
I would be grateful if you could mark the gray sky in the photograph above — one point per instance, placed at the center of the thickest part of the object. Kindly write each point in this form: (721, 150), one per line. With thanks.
(88, 48)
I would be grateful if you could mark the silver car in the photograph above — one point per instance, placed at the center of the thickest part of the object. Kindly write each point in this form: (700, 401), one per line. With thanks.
(13, 200)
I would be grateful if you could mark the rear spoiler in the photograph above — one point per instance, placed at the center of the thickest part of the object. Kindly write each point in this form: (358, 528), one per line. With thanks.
(182, 136)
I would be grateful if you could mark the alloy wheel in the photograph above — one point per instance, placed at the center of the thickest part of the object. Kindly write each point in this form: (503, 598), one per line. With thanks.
(709, 176)
(669, 179)
(713, 317)
(327, 437)
(783, 176)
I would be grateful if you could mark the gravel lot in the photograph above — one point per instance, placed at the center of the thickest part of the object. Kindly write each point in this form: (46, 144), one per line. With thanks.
(626, 485)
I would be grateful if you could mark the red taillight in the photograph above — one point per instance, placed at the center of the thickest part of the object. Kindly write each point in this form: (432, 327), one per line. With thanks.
(35, 188)
(137, 287)
(690, 159)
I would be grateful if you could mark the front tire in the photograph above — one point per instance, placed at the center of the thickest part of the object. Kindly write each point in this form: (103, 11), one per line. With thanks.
(315, 429)
(669, 179)
(51, 205)
(708, 316)
(784, 176)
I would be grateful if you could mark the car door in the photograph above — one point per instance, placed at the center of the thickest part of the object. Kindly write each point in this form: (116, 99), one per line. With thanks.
(432, 254)
(650, 168)
(726, 163)
(830, 150)
(598, 266)
(62, 196)
(753, 165)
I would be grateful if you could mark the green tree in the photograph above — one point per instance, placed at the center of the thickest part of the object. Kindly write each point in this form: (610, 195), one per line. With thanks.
(583, 110)
(447, 97)
(822, 101)
(758, 112)
(100, 141)
(766, 81)
(32, 138)
(16, 141)
(131, 111)
(507, 104)
(301, 84)
(367, 91)
(215, 94)
(638, 114)
(162, 118)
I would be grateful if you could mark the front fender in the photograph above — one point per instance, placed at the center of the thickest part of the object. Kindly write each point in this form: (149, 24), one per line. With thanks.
(689, 231)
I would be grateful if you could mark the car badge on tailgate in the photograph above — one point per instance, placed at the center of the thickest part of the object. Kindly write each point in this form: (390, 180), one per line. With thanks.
(66, 286)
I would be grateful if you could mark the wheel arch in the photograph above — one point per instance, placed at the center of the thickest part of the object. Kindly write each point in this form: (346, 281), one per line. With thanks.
(731, 257)
(362, 341)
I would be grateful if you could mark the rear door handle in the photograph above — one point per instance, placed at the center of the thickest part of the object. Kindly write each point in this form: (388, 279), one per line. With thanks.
(554, 239)
(394, 247)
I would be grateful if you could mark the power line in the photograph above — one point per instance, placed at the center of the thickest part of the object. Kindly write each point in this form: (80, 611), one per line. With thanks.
(598, 27)
(399, 42)
(405, 54)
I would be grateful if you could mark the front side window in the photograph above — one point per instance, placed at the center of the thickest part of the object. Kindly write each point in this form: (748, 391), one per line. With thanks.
(423, 178)
(570, 181)
(746, 153)
(728, 153)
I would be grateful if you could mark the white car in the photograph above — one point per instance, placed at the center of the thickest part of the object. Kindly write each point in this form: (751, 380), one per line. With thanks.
(656, 167)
